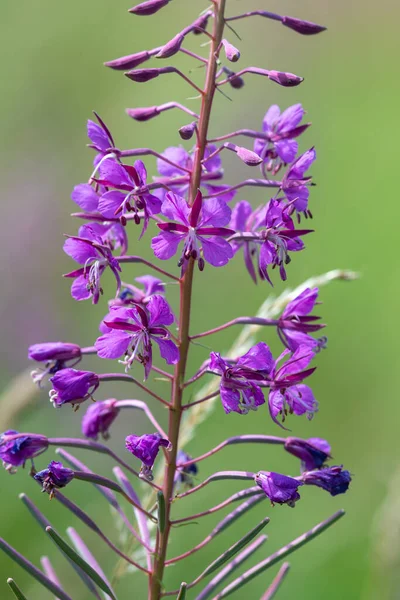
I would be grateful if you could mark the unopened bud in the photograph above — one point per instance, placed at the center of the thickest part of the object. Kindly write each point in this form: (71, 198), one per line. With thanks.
(130, 61)
(144, 75)
(231, 53)
(143, 114)
(285, 79)
(171, 47)
(303, 27)
(186, 132)
(201, 24)
(148, 8)
(249, 157)
(236, 82)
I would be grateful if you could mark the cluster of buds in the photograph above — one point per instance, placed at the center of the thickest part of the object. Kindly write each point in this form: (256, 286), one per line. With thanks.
(188, 211)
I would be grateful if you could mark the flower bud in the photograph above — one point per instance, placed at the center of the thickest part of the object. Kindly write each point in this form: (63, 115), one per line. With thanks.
(53, 351)
(184, 475)
(231, 53)
(15, 451)
(54, 477)
(248, 157)
(130, 61)
(72, 386)
(145, 448)
(285, 79)
(148, 8)
(235, 82)
(143, 114)
(280, 489)
(171, 47)
(99, 418)
(303, 27)
(186, 132)
(144, 75)
(312, 452)
(334, 480)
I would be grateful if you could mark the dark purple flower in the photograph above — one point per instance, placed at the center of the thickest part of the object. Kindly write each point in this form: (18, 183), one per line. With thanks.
(184, 475)
(131, 294)
(313, 452)
(301, 26)
(91, 252)
(199, 227)
(295, 184)
(238, 388)
(212, 170)
(145, 448)
(281, 129)
(16, 448)
(55, 355)
(130, 194)
(295, 324)
(54, 477)
(72, 386)
(280, 489)
(132, 331)
(288, 394)
(334, 480)
(272, 243)
(98, 419)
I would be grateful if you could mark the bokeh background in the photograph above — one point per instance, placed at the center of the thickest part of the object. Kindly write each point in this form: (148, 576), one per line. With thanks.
(52, 77)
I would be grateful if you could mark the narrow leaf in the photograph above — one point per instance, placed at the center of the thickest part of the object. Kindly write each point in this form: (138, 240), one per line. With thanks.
(32, 570)
(277, 582)
(182, 591)
(15, 589)
(233, 550)
(84, 551)
(230, 567)
(161, 511)
(277, 556)
(70, 552)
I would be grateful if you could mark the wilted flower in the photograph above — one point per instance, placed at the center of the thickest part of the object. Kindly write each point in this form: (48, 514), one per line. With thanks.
(55, 476)
(334, 480)
(313, 452)
(98, 419)
(280, 489)
(72, 386)
(16, 448)
(145, 448)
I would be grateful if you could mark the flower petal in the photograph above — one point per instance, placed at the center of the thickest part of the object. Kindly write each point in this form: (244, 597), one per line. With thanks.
(259, 358)
(79, 250)
(110, 203)
(160, 312)
(166, 244)
(176, 208)
(168, 350)
(214, 212)
(287, 150)
(271, 118)
(112, 345)
(216, 250)
(290, 118)
(85, 197)
(176, 154)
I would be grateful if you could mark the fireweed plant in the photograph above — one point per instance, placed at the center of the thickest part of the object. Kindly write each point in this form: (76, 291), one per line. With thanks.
(187, 211)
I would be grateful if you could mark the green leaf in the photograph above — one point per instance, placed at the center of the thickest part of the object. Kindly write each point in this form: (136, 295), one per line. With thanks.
(15, 590)
(32, 570)
(233, 550)
(182, 591)
(161, 511)
(78, 560)
(277, 556)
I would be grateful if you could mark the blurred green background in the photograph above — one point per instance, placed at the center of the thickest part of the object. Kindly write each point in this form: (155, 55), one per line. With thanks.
(52, 77)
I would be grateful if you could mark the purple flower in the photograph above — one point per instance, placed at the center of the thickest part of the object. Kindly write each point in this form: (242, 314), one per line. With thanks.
(72, 386)
(98, 419)
(145, 448)
(91, 252)
(238, 388)
(295, 185)
(130, 194)
(334, 480)
(280, 489)
(199, 227)
(281, 130)
(54, 477)
(184, 475)
(295, 324)
(101, 139)
(313, 452)
(272, 244)
(16, 448)
(288, 394)
(132, 331)
(55, 355)
(212, 170)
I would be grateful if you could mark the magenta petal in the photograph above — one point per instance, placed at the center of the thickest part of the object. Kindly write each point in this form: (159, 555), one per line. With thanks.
(259, 358)
(290, 118)
(301, 399)
(110, 203)
(166, 244)
(168, 350)
(160, 312)
(217, 251)
(275, 405)
(214, 212)
(302, 164)
(303, 304)
(230, 399)
(97, 136)
(176, 154)
(217, 189)
(297, 362)
(176, 208)
(287, 150)
(271, 118)
(240, 213)
(214, 163)
(79, 289)
(112, 345)
(79, 250)
(85, 197)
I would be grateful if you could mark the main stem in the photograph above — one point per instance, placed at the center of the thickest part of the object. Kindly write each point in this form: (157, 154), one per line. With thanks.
(175, 412)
